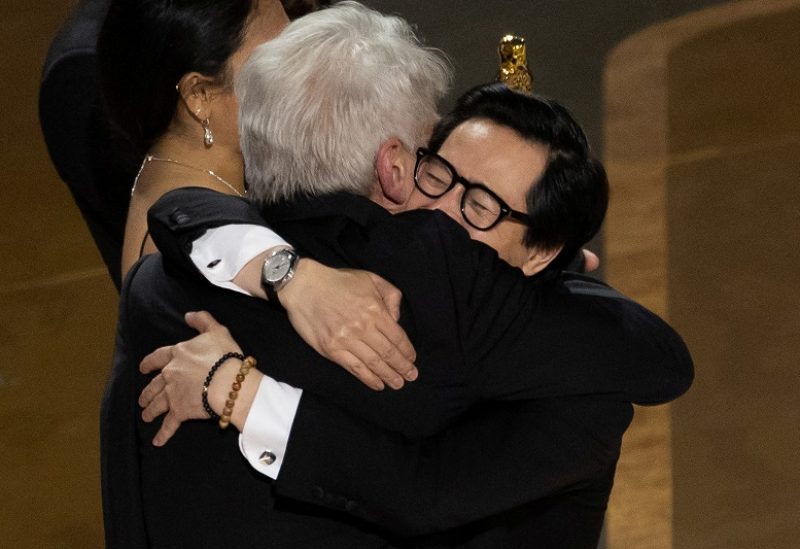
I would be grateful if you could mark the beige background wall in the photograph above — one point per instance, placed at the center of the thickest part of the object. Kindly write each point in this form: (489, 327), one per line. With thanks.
(733, 187)
(57, 316)
(702, 143)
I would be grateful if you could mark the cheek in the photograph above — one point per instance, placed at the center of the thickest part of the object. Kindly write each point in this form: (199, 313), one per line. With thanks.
(417, 200)
(505, 241)
(490, 238)
(226, 115)
(516, 252)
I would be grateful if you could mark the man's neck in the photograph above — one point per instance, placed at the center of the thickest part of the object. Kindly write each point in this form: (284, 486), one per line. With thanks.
(381, 199)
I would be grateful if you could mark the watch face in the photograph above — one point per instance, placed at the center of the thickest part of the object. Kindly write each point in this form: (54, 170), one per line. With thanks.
(277, 267)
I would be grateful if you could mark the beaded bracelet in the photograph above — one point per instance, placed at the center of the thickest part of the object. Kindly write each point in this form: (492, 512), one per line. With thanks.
(244, 369)
(211, 413)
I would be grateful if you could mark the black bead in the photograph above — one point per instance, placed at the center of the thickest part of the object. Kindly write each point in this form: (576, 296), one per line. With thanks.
(206, 406)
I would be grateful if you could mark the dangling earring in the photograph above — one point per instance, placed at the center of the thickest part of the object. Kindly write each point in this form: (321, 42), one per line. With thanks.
(208, 137)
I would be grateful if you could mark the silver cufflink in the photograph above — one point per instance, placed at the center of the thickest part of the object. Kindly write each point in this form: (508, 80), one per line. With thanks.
(266, 458)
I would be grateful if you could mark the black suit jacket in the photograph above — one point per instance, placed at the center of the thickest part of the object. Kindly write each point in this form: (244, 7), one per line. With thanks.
(86, 153)
(537, 422)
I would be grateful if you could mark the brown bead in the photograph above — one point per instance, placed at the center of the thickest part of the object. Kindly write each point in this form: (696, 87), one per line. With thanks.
(233, 395)
(239, 378)
(250, 362)
(223, 423)
(227, 411)
(236, 386)
(229, 404)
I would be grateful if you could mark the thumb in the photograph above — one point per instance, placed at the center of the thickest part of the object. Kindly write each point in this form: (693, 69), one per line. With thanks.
(201, 321)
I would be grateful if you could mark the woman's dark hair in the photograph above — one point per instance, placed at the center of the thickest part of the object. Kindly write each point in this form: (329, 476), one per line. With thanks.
(298, 8)
(146, 46)
(568, 203)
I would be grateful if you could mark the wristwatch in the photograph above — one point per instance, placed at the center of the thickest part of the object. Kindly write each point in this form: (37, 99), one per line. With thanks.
(277, 271)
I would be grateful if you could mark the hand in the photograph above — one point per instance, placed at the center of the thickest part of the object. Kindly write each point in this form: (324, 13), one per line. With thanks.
(177, 389)
(350, 317)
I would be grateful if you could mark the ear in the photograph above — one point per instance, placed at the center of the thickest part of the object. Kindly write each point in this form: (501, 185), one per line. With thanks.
(394, 168)
(539, 258)
(196, 92)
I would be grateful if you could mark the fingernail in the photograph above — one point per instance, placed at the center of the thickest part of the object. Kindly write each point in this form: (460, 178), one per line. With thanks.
(189, 315)
(396, 383)
(412, 374)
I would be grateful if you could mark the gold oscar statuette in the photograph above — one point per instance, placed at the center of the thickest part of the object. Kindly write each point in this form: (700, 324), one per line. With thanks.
(514, 71)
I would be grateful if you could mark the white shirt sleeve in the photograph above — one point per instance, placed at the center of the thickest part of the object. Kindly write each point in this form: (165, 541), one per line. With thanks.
(266, 430)
(219, 255)
(223, 251)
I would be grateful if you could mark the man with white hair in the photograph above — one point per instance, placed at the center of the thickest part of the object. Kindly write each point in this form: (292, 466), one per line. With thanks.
(502, 356)
(340, 106)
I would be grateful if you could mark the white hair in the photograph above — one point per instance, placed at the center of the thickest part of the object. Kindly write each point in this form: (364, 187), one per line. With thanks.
(317, 101)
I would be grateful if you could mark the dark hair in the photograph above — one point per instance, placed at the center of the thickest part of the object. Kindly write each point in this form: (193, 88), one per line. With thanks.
(144, 48)
(298, 8)
(568, 203)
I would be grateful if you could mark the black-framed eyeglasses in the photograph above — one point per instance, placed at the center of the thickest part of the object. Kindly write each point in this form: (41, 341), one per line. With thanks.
(480, 206)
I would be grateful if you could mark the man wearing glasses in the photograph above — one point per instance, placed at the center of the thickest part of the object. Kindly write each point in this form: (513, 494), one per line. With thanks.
(525, 386)
(527, 150)
(480, 207)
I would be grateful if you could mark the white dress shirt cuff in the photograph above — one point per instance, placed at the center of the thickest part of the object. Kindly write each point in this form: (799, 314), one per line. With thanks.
(266, 430)
(223, 251)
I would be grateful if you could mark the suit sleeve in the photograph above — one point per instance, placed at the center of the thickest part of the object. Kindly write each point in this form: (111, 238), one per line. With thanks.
(520, 338)
(533, 338)
(182, 215)
(493, 460)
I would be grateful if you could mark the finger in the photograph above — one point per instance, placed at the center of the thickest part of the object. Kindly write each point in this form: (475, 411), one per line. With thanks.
(392, 356)
(371, 351)
(202, 321)
(356, 367)
(159, 405)
(156, 360)
(168, 428)
(591, 261)
(398, 338)
(155, 386)
(390, 295)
